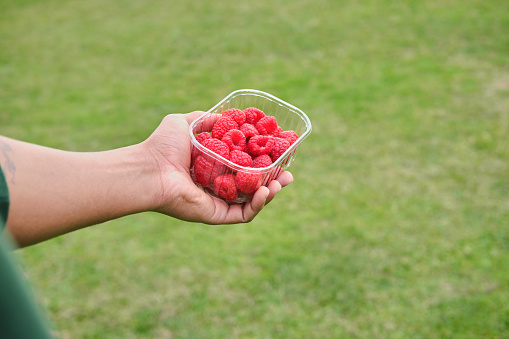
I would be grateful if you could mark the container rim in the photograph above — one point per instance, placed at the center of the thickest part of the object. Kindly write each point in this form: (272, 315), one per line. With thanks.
(265, 95)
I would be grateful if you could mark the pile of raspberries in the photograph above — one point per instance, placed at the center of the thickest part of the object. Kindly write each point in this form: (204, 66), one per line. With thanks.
(248, 138)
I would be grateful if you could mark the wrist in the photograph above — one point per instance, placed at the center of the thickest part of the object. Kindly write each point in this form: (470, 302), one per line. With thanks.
(141, 180)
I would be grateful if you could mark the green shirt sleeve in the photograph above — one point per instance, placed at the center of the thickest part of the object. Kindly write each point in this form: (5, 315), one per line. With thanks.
(4, 200)
(19, 315)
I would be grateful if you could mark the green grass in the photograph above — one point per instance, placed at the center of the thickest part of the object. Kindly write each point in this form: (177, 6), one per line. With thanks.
(397, 224)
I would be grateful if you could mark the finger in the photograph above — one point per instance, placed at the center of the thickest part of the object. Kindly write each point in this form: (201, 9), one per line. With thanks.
(274, 187)
(222, 212)
(206, 123)
(285, 178)
(254, 207)
(190, 117)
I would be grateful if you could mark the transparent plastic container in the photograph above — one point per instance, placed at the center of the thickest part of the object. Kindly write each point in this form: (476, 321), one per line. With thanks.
(288, 117)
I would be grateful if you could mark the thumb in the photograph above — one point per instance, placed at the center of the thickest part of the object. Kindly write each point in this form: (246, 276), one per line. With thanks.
(190, 117)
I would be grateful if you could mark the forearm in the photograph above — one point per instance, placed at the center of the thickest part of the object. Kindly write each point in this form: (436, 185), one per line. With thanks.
(54, 192)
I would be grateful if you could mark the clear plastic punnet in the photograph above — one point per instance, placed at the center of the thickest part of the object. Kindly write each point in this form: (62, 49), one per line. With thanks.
(226, 180)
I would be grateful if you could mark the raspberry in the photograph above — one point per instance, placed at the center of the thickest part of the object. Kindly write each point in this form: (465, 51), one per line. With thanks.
(235, 140)
(202, 136)
(267, 125)
(263, 160)
(236, 114)
(223, 125)
(249, 130)
(248, 182)
(217, 146)
(280, 146)
(224, 186)
(291, 136)
(205, 171)
(241, 158)
(260, 144)
(253, 115)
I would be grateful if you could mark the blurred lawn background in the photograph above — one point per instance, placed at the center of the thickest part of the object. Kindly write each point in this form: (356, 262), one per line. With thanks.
(397, 224)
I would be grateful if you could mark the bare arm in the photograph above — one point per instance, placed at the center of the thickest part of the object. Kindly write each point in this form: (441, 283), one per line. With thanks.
(54, 192)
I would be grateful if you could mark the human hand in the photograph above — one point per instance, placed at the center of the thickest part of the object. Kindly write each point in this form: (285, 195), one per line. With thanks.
(178, 196)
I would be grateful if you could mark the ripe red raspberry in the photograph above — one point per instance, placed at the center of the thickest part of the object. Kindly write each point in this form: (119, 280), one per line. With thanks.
(202, 136)
(235, 140)
(224, 186)
(223, 125)
(241, 158)
(280, 146)
(248, 182)
(249, 130)
(253, 115)
(263, 160)
(290, 135)
(236, 114)
(205, 171)
(260, 144)
(217, 146)
(267, 125)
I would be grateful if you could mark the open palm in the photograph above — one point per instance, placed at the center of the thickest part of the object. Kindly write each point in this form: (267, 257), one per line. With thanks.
(179, 196)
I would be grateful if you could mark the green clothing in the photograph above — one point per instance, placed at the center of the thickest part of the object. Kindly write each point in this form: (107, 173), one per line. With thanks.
(4, 201)
(19, 315)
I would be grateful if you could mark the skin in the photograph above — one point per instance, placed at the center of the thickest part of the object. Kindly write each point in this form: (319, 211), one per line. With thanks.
(54, 192)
